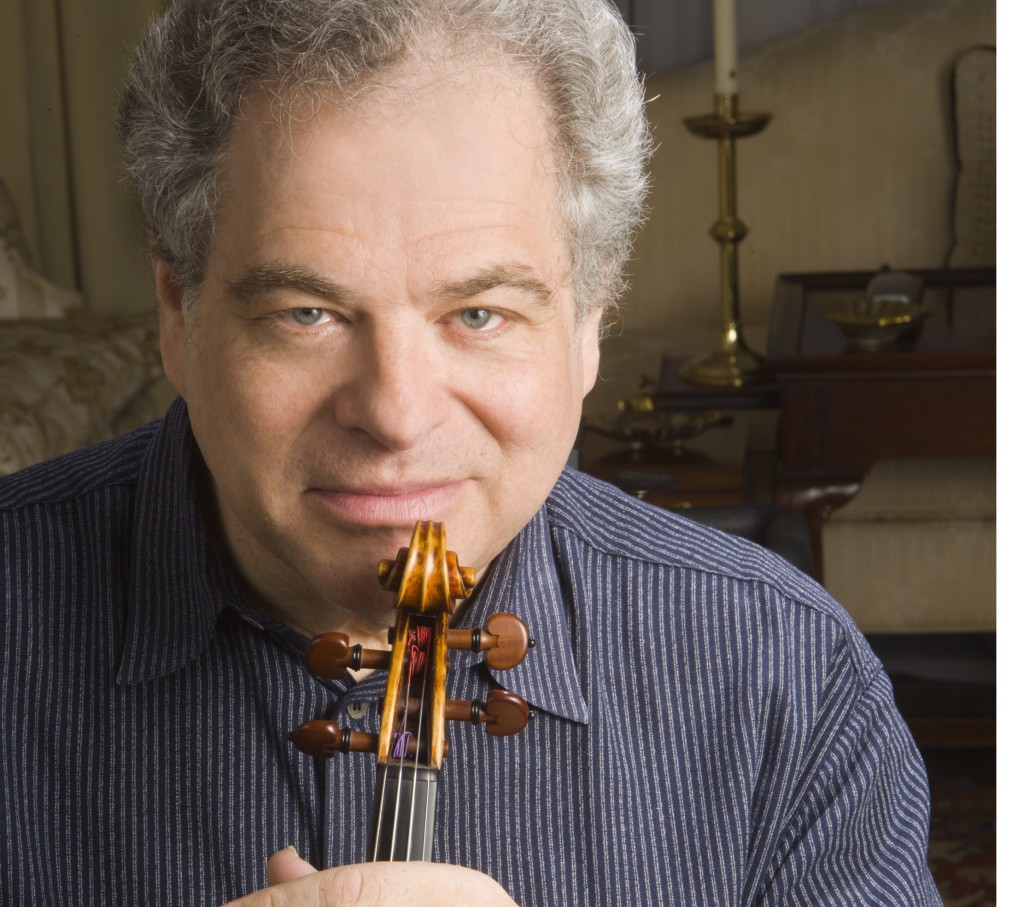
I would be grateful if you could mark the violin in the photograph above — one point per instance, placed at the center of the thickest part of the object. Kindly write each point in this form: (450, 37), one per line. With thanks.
(410, 744)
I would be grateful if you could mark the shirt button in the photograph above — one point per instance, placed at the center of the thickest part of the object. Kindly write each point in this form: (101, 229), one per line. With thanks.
(356, 710)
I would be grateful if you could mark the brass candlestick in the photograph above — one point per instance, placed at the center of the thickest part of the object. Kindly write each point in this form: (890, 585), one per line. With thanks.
(731, 363)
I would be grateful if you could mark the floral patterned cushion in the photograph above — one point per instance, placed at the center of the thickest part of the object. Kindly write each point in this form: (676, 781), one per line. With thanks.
(65, 383)
(25, 293)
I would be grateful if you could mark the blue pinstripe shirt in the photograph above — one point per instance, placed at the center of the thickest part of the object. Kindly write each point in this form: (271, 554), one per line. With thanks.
(710, 727)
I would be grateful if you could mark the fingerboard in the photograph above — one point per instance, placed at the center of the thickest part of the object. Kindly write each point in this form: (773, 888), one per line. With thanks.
(405, 803)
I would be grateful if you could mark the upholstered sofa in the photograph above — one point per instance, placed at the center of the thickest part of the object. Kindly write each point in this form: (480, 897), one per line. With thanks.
(67, 378)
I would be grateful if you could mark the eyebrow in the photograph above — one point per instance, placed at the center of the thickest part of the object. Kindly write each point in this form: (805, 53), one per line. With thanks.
(263, 279)
(514, 275)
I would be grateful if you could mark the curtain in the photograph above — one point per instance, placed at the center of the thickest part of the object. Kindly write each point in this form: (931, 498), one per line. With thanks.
(61, 65)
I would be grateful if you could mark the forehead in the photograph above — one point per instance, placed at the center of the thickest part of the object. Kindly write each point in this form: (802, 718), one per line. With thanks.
(429, 85)
(442, 152)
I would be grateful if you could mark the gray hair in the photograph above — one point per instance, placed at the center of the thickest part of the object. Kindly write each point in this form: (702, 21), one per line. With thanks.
(186, 87)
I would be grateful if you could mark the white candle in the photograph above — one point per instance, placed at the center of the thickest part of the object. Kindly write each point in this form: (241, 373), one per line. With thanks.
(725, 47)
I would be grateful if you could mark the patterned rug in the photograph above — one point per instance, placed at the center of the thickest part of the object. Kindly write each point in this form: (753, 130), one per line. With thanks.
(962, 851)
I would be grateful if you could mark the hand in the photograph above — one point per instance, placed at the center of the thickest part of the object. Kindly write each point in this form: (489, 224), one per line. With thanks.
(294, 882)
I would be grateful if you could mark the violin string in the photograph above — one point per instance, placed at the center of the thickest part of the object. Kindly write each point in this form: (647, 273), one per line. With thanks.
(413, 649)
(427, 663)
(380, 811)
(402, 741)
(388, 771)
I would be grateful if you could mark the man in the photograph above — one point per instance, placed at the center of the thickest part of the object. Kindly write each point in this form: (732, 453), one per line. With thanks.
(384, 234)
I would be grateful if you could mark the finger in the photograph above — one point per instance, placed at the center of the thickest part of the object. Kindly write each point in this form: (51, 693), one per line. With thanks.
(423, 884)
(286, 865)
(380, 884)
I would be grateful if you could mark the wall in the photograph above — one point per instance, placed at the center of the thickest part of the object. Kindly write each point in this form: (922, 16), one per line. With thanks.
(855, 169)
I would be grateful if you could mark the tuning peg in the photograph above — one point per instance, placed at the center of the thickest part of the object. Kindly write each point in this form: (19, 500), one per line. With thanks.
(325, 738)
(506, 641)
(330, 655)
(504, 713)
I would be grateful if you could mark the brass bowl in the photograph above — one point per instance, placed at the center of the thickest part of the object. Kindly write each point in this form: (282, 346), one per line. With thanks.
(641, 426)
(874, 324)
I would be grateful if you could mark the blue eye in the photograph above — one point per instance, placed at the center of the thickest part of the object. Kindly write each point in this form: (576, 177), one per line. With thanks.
(306, 317)
(477, 319)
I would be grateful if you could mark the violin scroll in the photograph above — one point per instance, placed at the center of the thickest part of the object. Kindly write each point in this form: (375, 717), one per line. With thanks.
(417, 576)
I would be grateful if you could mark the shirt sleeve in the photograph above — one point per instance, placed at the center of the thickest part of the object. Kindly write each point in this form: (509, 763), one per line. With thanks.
(859, 830)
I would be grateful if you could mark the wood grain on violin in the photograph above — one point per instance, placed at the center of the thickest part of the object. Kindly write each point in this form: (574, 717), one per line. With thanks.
(410, 744)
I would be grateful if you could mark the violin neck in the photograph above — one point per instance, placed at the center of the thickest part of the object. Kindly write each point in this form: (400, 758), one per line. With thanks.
(404, 813)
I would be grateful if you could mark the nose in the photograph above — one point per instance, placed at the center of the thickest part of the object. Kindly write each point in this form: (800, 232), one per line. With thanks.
(396, 388)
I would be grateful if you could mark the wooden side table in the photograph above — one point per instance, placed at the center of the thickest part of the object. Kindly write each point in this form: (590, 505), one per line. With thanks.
(839, 412)
(687, 479)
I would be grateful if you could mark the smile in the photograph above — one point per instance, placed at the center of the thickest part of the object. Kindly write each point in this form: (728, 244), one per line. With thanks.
(388, 506)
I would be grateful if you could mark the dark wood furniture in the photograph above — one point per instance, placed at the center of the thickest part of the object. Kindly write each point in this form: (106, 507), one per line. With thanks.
(678, 395)
(672, 480)
(932, 395)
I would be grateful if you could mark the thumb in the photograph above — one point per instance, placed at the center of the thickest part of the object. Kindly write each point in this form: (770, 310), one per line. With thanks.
(286, 865)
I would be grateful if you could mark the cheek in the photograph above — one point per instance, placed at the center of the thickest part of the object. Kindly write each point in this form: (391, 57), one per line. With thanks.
(246, 412)
(536, 408)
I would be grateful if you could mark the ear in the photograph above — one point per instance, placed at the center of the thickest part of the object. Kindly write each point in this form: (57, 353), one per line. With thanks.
(590, 348)
(169, 297)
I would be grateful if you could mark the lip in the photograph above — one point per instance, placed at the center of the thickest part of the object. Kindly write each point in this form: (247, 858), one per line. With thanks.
(388, 506)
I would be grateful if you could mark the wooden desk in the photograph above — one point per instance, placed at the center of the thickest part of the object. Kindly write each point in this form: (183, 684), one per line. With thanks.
(839, 412)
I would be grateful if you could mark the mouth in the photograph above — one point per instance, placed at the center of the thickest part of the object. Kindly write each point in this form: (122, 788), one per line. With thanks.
(389, 506)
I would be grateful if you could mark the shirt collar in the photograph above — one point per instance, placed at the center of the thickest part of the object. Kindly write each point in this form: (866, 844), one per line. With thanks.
(525, 580)
(179, 579)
